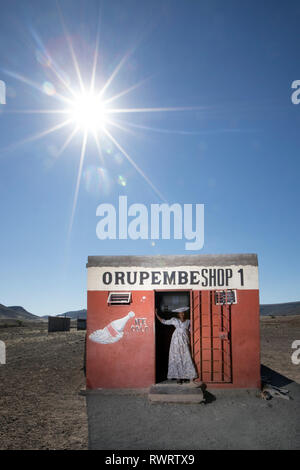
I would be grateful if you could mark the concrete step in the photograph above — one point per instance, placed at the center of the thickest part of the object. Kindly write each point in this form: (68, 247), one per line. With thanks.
(175, 393)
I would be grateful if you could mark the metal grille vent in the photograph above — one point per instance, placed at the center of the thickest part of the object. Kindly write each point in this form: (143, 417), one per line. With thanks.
(119, 298)
(223, 297)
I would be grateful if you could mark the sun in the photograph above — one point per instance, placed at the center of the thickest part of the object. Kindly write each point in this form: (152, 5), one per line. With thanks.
(89, 109)
(88, 112)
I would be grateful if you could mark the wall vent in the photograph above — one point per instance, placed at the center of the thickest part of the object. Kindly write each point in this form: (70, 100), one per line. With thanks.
(119, 298)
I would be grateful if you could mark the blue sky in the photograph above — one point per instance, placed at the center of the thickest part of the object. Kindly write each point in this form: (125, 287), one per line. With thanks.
(237, 151)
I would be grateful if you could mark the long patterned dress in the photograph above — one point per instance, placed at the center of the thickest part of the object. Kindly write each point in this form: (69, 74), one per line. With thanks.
(180, 361)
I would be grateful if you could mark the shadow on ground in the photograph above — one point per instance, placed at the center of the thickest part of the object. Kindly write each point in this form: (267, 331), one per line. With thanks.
(272, 377)
(230, 420)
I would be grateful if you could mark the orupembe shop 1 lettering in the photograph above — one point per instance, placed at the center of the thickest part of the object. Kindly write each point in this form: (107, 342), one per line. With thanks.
(205, 277)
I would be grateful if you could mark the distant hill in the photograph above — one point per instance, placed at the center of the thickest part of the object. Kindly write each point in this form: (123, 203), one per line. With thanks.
(289, 308)
(74, 314)
(16, 313)
(19, 313)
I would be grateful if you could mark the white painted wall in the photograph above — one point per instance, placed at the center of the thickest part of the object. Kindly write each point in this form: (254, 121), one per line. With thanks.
(96, 276)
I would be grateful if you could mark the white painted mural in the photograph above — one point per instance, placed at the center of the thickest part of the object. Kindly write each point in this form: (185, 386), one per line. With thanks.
(113, 332)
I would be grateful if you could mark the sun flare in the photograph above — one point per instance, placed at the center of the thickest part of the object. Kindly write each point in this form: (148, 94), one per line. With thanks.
(88, 112)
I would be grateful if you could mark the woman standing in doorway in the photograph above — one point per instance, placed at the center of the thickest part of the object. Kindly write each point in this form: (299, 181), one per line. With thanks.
(181, 365)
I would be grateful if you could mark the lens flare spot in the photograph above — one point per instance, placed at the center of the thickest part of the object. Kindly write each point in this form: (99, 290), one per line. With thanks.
(43, 58)
(122, 181)
(49, 89)
(107, 147)
(96, 180)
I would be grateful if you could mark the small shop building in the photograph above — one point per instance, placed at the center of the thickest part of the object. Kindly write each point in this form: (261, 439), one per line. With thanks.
(127, 347)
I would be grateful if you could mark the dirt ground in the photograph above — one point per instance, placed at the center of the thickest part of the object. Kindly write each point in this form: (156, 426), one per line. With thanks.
(277, 335)
(40, 405)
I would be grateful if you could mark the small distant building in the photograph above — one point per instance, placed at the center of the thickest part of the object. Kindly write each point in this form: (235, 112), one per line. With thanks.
(58, 324)
(81, 324)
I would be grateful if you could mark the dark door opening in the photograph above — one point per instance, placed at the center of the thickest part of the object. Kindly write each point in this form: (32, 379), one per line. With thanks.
(165, 302)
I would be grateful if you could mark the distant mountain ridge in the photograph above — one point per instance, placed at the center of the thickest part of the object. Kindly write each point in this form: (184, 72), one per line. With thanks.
(288, 308)
(20, 313)
(16, 313)
(74, 314)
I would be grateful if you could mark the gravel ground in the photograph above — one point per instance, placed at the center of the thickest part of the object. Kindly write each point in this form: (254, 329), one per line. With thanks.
(40, 405)
(277, 335)
(234, 420)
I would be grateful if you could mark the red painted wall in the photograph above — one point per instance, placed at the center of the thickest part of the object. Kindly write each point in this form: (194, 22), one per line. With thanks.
(130, 362)
(245, 342)
(245, 337)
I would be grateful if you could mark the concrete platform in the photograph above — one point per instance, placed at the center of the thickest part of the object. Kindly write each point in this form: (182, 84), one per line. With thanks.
(175, 393)
(230, 419)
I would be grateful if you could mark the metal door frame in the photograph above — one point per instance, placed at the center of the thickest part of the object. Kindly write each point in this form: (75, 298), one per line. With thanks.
(224, 314)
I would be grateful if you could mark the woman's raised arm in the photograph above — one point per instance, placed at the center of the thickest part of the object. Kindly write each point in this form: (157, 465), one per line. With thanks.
(157, 316)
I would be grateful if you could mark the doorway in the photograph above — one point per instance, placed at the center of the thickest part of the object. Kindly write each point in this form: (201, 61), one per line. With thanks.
(211, 335)
(166, 302)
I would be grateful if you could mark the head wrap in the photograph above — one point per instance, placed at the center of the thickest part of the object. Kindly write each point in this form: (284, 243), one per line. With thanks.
(181, 309)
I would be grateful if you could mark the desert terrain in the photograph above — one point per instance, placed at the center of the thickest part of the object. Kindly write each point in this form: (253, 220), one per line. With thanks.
(40, 403)
(277, 334)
